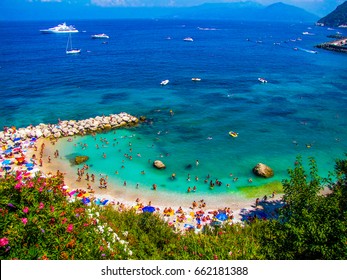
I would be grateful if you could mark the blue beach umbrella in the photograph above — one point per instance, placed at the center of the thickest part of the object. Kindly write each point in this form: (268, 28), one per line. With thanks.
(85, 200)
(6, 162)
(17, 139)
(222, 216)
(149, 209)
(8, 151)
(189, 226)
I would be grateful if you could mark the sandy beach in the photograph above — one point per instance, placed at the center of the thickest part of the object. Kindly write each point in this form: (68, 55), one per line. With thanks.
(236, 207)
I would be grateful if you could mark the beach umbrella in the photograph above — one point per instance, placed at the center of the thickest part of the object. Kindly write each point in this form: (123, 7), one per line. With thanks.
(16, 139)
(188, 226)
(222, 216)
(8, 151)
(6, 162)
(149, 209)
(85, 200)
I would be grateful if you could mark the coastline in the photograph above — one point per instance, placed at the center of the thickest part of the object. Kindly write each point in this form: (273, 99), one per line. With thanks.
(120, 195)
(37, 147)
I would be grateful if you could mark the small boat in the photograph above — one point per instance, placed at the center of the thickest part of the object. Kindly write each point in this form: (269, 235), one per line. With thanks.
(196, 79)
(100, 36)
(233, 134)
(262, 80)
(60, 28)
(164, 82)
(69, 49)
(188, 39)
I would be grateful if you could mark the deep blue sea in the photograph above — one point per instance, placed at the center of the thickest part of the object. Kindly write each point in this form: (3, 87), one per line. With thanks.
(300, 111)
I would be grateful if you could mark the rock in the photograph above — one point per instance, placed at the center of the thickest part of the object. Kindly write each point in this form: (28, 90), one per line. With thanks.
(81, 159)
(107, 126)
(263, 170)
(159, 164)
(46, 133)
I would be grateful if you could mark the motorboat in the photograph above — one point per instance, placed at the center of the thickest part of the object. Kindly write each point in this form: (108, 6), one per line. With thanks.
(188, 39)
(196, 79)
(60, 28)
(100, 36)
(164, 82)
(233, 134)
(262, 80)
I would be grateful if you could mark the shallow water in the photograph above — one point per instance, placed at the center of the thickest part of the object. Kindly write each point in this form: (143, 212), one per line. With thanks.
(302, 105)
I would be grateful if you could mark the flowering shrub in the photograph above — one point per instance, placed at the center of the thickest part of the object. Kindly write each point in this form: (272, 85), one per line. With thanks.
(37, 222)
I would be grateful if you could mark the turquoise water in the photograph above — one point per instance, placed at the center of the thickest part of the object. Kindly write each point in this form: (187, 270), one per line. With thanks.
(303, 104)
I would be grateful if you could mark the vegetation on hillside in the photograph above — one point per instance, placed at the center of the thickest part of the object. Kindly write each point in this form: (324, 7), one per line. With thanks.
(37, 222)
(336, 17)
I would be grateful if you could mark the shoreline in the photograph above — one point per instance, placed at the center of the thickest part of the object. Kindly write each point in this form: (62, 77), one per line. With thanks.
(36, 146)
(117, 194)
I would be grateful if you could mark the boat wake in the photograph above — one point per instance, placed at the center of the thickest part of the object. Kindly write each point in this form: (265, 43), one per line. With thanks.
(308, 51)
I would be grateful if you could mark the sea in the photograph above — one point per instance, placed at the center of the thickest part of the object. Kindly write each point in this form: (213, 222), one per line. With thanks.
(300, 111)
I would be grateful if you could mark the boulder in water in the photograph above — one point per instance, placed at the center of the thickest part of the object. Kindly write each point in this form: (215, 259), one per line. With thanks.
(81, 159)
(263, 170)
(159, 164)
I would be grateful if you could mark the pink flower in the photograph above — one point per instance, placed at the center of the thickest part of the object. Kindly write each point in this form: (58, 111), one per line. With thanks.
(101, 248)
(18, 186)
(25, 210)
(19, 177)
(30, 185)
(70, 228)
(41, 205)
(40, 189)
(3, 242)
(64, 221)
(85, 224)
(24, 221)
(52, 208)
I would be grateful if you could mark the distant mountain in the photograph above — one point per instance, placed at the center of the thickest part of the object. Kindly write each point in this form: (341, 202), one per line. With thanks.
(336, 17)
(283, 12)
(247, 11)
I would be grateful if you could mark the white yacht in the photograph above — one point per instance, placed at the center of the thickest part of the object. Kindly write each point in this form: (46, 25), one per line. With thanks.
(100, 36)
(188, 39)
(60, 28)
(164, 82)
(262, 80)
(196, 79)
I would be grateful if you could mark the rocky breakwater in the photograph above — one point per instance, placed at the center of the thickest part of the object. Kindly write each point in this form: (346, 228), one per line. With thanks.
(69, 128)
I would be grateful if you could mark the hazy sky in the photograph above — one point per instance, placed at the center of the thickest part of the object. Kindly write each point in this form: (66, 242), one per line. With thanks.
(106, 3)
(319, 7)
